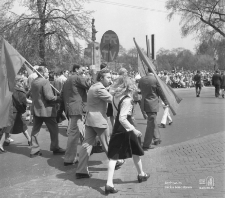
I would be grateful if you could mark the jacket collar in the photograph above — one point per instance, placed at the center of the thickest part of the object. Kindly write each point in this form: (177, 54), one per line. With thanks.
(20, 89)
(99, 84)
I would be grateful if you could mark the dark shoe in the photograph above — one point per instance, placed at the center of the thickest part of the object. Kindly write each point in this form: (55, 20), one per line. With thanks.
(29, 143)
(68, 163)
(143, 178)
(109, 189)
(162, 126)
(36, 154)
(170, 123)
(223, 95)
(119, 164)
(83, 175)
(158, 141)
(148, 147)
(59, 151)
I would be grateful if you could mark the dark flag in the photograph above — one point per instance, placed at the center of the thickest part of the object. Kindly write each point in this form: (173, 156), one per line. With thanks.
(10, 64)
(172, 98)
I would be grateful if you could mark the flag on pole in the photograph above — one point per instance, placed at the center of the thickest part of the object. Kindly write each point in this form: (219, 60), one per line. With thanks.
(13, 62)
(141, 67)
(170, 95)
(10, 63)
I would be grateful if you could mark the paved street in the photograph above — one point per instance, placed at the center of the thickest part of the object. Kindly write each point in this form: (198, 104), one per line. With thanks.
(188, 163)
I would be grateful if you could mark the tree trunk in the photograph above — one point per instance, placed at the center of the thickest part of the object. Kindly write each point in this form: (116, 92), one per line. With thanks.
(42, 43)
(41, 5)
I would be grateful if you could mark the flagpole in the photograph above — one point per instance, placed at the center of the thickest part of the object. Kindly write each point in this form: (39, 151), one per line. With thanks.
(40, 75)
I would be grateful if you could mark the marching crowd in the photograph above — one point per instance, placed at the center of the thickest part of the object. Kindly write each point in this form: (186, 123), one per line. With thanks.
(91, 100)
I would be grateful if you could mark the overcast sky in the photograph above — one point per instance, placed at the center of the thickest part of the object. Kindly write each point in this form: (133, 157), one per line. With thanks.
(137, 18)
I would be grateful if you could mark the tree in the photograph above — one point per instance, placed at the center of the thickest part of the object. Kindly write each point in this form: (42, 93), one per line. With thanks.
(47, 28)
(183, 59)
(205, 17)
(215, 49)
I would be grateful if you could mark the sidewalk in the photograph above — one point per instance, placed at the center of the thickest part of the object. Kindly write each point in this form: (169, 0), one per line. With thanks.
(177, 171)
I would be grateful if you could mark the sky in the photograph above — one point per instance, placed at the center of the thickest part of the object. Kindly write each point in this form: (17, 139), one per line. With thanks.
(137, 18)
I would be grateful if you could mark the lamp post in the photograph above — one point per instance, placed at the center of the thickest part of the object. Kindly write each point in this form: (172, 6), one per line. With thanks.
(93, 41)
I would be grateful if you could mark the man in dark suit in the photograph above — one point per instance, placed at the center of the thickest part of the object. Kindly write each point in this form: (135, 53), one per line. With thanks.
(151, 91)
(198, 85)
(74, 95)
(216, 82)
(44, 110)
(223, 84)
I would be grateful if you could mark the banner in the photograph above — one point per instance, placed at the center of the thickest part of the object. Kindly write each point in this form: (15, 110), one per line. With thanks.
(29, 71)
(171, 96)
(10, 63)
(141, 68)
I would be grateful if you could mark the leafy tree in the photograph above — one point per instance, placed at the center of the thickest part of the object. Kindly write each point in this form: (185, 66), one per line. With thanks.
(47, 30)
(183, 59)
(215, 49)
(205, 17)
(166, 59)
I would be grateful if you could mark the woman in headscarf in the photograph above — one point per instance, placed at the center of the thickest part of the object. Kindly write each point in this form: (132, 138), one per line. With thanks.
(125, 141)
(19, 102)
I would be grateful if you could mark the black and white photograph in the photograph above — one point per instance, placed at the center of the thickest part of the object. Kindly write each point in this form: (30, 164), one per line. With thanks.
(117, 98)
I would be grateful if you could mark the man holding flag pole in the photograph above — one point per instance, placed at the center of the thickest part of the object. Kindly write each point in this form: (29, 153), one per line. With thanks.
(170, 98)
(10, 63)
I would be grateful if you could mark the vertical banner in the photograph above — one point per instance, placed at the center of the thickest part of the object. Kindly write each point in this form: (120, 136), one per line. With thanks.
(141, 67)
(171, 96)
(10, 63)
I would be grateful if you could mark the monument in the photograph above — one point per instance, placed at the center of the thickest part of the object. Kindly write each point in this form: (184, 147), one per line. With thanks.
(92, 52)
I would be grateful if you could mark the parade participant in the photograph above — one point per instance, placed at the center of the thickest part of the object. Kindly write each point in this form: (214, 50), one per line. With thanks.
(223, 84)
(58, 82)
(122, 72)
(151, 91)
(20, 103)
(30, 79)
(216, 82)
(126, 139)
(198, 85)
(74, 95)
(166, 114)
(44, 110)
(18, 107)
(96, 121)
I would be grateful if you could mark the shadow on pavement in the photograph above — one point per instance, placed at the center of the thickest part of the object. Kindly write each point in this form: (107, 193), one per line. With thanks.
(18, 149)
(93, 183)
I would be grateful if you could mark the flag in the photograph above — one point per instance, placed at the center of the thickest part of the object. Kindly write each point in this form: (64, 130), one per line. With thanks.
(29, 71)
(171, 96)
(141, 67)
(10, 63)
(13, 62)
